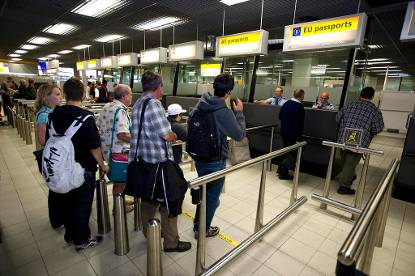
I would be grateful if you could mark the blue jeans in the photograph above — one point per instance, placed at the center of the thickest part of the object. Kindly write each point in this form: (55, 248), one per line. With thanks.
(214, 189)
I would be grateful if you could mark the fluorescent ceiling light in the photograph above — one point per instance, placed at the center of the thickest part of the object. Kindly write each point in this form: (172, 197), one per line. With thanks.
(60, 29)
(80, 47)
(109, 38)
(232, 2)
(63, 52)
(287, 60)
(29, 46)
(42, 58)
(383, 67)
(158, 23)
(40, 40)
(99, 8)
(16, 59)
(374, 46)
(53, 56)
(20, 52)
(14, 55)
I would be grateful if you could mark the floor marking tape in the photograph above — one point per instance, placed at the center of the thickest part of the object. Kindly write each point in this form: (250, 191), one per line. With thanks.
(221, 235)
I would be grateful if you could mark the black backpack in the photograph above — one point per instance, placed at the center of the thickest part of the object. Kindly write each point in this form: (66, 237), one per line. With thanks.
(202, 141)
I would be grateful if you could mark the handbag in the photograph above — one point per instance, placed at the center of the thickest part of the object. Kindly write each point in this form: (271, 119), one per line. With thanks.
(163, 182)
(118, 162)
(239, 151)
(38, 156)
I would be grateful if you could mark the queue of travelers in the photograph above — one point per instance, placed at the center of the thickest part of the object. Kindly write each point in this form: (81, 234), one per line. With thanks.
(117, 144)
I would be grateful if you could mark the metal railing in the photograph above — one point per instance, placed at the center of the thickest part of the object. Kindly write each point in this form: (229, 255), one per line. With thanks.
(203, 181)
(271, 139)
(357, 250)
(325, 200)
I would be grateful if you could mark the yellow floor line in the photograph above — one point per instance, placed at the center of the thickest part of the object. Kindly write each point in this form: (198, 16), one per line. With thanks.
(221, 235)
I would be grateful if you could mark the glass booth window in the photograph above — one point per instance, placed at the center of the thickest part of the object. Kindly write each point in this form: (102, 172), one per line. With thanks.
(165, 70)
(113, 76)
(241, 69)
(314, 72)
(126, 75)
(188, 78)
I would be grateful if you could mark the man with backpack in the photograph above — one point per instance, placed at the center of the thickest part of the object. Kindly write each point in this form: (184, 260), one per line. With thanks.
(70, 159)
(209, 125)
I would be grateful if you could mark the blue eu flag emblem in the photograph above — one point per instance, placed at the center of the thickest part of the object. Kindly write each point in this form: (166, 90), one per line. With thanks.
(297, 31)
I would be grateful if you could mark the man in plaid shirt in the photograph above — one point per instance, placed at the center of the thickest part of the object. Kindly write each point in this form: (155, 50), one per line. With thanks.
(363, 115)
(156, 132)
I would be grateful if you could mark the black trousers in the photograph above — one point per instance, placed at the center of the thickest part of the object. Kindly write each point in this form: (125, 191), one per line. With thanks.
(78, 206)
(288, 162)
(56, 209)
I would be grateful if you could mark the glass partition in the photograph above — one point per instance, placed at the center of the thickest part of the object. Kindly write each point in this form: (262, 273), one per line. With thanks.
(188, 78)
(126, 75)
(314, 72)
(241, 69)
(165, 70)
(112, 75)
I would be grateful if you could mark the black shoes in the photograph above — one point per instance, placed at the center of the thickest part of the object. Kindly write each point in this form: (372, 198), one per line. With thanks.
(285, 177)
(213, 231)
(181, 247)
(345, 191)
(92, 242)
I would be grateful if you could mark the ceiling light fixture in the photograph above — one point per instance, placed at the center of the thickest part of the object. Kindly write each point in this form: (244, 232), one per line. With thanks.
(109, 38)
(80, 47)
(374, 46)
(15, 59)
(60, 29)
(158, 23)
(29, 46)
(20, 52)
(42, 58)
(53, 56)
(14, 55)
(99, 8)
(232, 2)
(40, 40)
(63, 52)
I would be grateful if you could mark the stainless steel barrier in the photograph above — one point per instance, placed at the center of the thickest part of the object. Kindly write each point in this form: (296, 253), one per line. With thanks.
(203, 181)
(138, 224)
(357, 250)
(271, 141)
(154, 266)
(103, 216)
(219, 264)
(121, 242)
(325, 200)
(187, 158)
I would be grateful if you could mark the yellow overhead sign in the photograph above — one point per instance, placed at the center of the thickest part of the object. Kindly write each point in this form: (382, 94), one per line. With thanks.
(210, 65)
(80, 65)
(240, 38)
(92, 62)
(336, 25)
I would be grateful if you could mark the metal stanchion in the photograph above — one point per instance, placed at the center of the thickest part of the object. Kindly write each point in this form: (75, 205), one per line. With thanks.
(122, 246)
(103, 216)
(200, 255)
(28, 133)
(154, 267)
(271, 141)
(326, 190)
(293, 197)
(358, 201)
(259, 221)
(138, 225)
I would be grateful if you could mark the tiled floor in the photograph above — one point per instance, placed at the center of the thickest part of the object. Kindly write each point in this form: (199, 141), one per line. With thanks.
(304, 244)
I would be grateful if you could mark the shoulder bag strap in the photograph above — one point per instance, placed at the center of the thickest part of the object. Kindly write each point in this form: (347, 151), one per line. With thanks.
(113, 129)
(75, 126)
(140, 126)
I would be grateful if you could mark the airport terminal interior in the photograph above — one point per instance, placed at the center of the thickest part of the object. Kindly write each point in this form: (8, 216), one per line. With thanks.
(332, 60)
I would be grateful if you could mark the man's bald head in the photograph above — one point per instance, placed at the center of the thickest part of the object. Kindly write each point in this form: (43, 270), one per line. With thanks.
(324, 96)
(123, 93)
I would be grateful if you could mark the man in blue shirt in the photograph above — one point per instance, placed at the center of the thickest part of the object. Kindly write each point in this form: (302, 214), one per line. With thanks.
(277, 99)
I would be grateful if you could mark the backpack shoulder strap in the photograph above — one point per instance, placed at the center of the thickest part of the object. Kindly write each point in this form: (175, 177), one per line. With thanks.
(75, 126)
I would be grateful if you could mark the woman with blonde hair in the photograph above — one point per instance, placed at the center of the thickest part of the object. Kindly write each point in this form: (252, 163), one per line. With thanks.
(47, 98)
